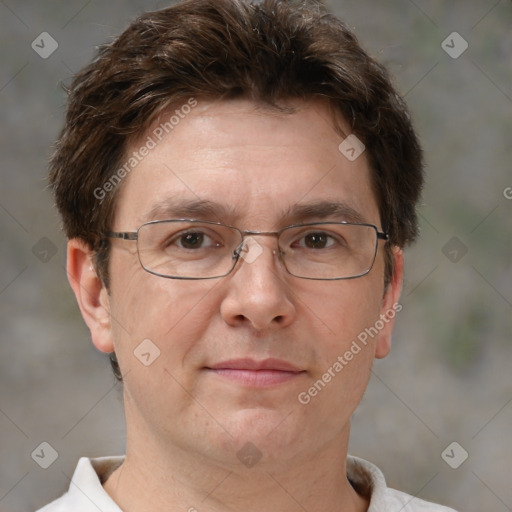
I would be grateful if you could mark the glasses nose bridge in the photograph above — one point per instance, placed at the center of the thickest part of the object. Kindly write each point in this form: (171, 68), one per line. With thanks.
(246, 233)
(249, 233)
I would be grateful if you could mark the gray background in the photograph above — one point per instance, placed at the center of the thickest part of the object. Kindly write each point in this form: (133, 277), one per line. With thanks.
(448, 377)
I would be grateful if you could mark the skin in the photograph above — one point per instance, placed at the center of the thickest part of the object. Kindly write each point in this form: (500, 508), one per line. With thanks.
(185, 425)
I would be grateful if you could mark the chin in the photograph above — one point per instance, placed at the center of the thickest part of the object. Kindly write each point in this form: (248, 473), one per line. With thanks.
(261, 433)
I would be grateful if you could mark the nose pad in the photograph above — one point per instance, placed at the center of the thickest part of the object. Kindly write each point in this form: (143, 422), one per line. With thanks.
(250, 250)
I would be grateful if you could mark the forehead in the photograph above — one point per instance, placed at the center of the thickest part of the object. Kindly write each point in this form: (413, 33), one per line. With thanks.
(243, 162)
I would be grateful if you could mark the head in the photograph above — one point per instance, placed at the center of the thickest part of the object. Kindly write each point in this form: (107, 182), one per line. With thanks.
(242, 106)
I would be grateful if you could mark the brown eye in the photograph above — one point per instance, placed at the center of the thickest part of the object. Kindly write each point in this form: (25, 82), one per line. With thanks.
(191, 240)
(316, 240)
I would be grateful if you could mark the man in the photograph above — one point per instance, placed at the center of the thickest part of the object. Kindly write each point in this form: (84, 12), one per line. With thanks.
(237, 182)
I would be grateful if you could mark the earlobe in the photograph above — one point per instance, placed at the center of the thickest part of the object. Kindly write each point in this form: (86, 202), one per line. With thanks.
(390, 306)
(90, 293)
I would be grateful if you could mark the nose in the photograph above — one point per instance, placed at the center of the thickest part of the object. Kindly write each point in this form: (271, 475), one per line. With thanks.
(257, 291)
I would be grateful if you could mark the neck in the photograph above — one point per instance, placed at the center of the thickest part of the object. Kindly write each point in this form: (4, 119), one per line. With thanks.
(158, 477)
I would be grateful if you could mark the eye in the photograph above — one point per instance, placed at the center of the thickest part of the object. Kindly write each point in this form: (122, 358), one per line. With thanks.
(193, 240)
(315, 240)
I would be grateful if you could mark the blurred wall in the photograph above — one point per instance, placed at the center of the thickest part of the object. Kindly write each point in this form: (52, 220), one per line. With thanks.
(447, 379)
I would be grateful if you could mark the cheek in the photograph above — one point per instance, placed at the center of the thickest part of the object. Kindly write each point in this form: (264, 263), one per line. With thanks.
(344, 311)
(169, 313)
(344, 355)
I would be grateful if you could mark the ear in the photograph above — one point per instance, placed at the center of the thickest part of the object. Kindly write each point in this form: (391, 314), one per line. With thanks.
(90, 293)
(390, 305)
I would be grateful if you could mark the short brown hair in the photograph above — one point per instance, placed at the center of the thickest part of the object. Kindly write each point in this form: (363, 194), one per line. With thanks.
(266, 51)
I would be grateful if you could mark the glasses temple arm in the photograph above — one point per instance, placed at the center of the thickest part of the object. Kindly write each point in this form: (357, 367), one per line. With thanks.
(126, 235)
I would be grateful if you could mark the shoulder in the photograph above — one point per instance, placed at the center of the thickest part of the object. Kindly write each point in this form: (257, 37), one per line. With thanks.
(369, 480)
(86, 493)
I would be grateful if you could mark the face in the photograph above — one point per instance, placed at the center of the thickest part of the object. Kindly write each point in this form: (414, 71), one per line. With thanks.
(239, 355)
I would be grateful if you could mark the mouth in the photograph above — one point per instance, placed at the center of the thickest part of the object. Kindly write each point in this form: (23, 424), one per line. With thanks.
(252, 373)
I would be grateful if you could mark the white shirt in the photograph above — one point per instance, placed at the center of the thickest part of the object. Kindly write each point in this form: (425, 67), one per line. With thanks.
(86, 493)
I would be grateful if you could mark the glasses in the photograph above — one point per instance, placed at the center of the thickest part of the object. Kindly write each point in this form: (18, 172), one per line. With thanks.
(194, 249)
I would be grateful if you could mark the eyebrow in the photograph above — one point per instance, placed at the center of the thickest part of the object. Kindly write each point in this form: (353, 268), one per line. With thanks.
(322, 210)
(174, 208)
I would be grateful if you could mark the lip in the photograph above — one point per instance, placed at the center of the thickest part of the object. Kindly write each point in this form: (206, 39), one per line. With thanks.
(252, 364)
(252, 373)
